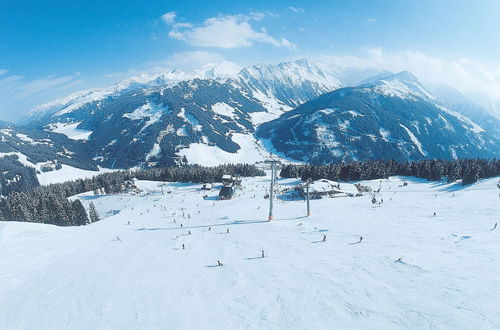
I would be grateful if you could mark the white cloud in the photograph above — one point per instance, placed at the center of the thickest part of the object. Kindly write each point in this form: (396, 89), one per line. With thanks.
(297, 10)
(18, 87)
(19, 94)
(372, 20)
(3, 71)
(464, 74)
(182, 61)
(226, 31)
(169, 18)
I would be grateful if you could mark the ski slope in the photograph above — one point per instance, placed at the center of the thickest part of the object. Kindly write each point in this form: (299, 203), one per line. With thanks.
(85, 278)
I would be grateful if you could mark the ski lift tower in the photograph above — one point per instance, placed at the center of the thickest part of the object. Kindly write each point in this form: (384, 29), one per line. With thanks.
(271, 192)
(161, 185)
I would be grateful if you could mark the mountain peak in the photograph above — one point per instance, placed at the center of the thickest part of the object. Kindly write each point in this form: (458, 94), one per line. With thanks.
(402, 84)
(297, 71)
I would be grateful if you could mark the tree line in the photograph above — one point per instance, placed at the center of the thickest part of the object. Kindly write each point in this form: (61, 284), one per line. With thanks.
(14, 176)
(468, 170)
(50, 204)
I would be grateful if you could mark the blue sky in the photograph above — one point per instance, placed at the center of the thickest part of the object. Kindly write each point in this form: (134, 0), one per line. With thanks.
(51, 48)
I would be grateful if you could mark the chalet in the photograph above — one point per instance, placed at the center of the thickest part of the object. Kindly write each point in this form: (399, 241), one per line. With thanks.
(226, 193)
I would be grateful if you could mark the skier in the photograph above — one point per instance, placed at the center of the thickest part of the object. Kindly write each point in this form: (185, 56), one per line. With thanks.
(219, 263)
(227, 230)
(434, 214)
(181, 225)
(183, 247)
(360, 239)
(262, 253)
(495, 226)
(400, 259)
(128, 222)
(209, 228)
(189, 232)
(118, 239)
(324, 238)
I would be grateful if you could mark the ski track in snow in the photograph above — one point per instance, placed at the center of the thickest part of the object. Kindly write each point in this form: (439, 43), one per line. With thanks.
(84, 278)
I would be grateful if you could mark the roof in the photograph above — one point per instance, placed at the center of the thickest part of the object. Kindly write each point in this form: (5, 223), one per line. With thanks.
(226, 191)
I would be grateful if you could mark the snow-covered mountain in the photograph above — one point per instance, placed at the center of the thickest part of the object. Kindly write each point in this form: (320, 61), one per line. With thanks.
(42, 149)
(148, 121)
(292, 83)
(453, 99)
(388, 117)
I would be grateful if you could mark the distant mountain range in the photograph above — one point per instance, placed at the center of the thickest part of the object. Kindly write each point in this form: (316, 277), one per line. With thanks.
(137, 123)
(294, 108)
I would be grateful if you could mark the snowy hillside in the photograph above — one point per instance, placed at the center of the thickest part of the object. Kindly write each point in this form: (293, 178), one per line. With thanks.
(116, 275)
(388, 117)
(37, 148)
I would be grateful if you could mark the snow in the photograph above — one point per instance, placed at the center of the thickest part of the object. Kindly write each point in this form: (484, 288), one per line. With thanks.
(66, 173)
(224, 109)
(25, 138)
(355, 113)
(22, 158)
(70, 130)
(291, 73)
(84, 278)
(414, 140)
(402, 85)
(199, 153)
(78, 99)
(154, 152)
(274, 108)
(191, 119)
(471, 125)
(326, 137)
(151, 111)
(385, 134)
(327, 111)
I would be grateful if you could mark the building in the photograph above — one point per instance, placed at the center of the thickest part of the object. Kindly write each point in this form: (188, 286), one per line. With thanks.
(327, 188)
(226, 193)
(227, 180)
(207, 186)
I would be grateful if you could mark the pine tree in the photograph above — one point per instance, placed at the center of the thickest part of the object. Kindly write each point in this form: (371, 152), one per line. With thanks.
(93, 213)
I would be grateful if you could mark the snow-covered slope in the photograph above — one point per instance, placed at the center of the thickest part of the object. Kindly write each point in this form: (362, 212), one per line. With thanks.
(402, 85)
(292, 83)
(85, 278)
(389, 117)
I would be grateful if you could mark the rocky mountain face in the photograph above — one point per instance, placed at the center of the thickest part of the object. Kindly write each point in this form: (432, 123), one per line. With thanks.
(387, 117)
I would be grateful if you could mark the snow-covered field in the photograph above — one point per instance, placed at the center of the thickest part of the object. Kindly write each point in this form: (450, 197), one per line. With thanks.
(111, 275)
